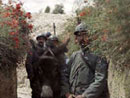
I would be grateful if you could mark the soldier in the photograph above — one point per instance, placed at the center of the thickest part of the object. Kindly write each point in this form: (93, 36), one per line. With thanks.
(55, 40)
(59, 49)
(87, 73)
(61, 57)
(32, 58)
(48, 34)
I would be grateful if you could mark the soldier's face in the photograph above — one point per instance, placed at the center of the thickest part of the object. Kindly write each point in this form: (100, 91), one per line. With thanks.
(56, 43)
(41, 41)
(82, 38)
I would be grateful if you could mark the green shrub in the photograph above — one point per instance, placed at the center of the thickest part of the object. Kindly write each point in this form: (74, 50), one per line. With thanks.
(14, 31)
(108, 23)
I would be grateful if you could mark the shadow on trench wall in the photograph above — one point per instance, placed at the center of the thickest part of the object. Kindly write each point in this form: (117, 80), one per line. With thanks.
(119, 81)
(8, 82)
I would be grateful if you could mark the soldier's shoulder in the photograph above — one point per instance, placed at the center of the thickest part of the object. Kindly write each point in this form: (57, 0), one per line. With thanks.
(102, 61)
(92, 56)
(74, 54)
(98, 56)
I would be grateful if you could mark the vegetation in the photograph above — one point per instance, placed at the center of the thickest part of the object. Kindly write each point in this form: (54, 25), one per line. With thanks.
(58, 9)
(47, 10)
(70, 27)
(108, 23)
(14, 31)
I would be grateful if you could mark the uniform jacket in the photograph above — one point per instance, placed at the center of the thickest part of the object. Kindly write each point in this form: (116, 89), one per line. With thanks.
(80, 79)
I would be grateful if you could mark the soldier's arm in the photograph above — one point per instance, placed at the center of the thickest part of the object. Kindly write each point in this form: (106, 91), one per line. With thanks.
(29, 59)
(61, 48)
(97, 87)
(65, 81)
(28, 65)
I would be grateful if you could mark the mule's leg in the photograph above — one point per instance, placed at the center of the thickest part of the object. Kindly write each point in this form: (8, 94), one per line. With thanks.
(57, 94)
(35, 91)
(56, 89)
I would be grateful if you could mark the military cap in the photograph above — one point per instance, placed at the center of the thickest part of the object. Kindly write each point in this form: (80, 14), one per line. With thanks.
(80, 28)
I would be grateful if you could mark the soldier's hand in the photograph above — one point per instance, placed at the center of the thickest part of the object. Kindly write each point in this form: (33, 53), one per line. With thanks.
(79, 96)
(67, 39)
(70, 96)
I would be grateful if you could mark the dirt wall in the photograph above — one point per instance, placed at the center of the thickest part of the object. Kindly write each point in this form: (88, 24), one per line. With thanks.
(8, 82)
(119, 81)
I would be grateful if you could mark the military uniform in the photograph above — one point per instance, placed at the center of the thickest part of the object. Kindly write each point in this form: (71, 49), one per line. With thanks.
(59, 53)
(32, 57)
(86, 75)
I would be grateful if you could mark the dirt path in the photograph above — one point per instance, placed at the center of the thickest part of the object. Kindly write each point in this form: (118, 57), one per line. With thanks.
(43, 22)
(23, 87)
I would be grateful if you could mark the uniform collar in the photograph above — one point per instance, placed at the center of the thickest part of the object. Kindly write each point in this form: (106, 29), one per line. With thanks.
(85, 50)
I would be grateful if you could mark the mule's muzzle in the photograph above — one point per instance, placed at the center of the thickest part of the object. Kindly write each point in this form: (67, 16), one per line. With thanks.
(46, 92)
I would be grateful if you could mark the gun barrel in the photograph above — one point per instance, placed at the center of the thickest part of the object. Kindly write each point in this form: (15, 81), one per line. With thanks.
(54, 27)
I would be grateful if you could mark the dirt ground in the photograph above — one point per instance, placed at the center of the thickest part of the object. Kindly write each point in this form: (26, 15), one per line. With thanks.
(23, 84)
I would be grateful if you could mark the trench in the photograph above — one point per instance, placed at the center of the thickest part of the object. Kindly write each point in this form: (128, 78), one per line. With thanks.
(42, 23)
(23, 84)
